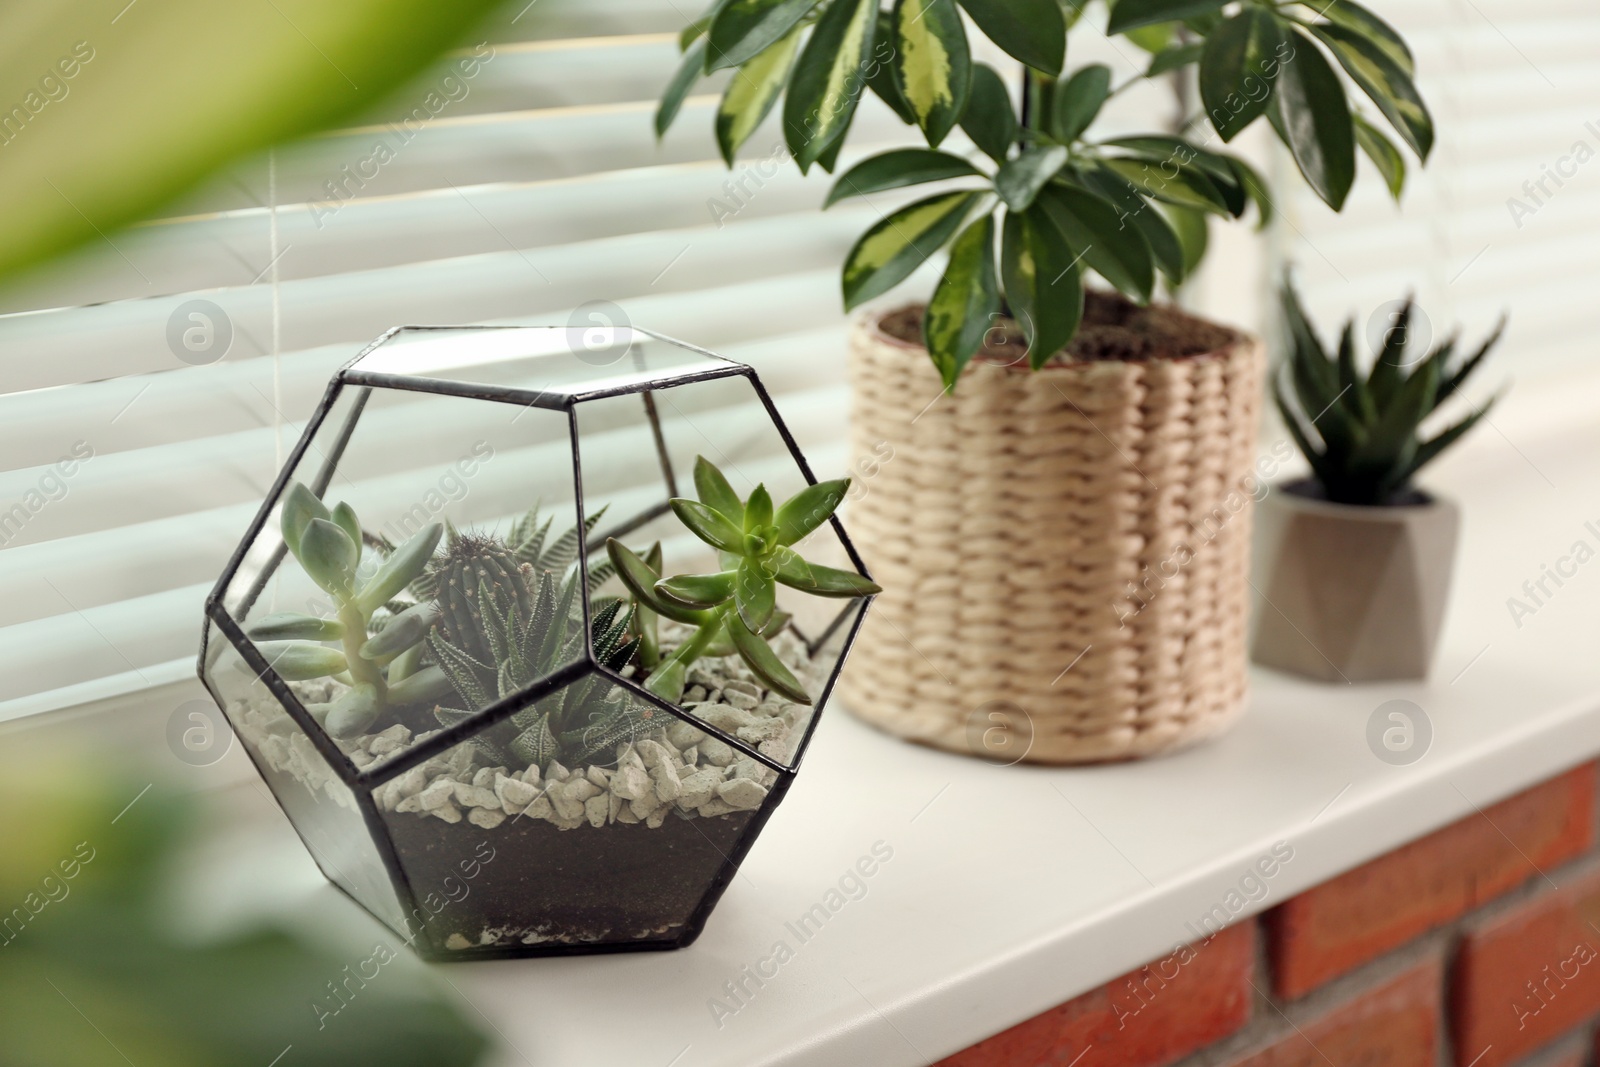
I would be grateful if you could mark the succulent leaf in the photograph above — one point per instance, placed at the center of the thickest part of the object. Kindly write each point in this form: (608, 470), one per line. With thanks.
(641, 580)
(1369, 428)
(354, 711)
(818, 580)
(710, 526)
(297, 661)
(666, 681)
(754, 595)
(402, 632)
(698, 590)
(293, 626)
(758, 510)
(714, 491)
(403, 567)
(344, 517)
(808, 509)
(764, 662)
(328, 556)
(300, 506)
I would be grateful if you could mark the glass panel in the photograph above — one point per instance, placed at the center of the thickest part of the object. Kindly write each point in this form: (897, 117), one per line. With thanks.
(617, 831)
(723, 421)
(498, 591)
(321, 807)
(260, 560)
(555, 362)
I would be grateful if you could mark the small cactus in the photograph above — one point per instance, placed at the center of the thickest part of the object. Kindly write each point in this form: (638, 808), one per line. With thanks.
(477, 570)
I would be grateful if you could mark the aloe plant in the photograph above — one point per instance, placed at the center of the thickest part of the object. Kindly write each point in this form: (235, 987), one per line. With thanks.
(735, 609)
(1361, 433)
(1049, 191)
(379, 652)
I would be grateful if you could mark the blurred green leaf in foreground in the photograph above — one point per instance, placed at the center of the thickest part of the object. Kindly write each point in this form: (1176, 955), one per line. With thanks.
(111, 108)
(95, 971)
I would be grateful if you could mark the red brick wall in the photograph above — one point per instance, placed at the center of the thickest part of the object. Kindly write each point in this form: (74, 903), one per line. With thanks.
(1476, 946)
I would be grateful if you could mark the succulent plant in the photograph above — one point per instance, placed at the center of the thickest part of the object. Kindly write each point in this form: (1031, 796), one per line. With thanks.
(379, 653)
(736, 608)
(1369, 425)
(504, 624)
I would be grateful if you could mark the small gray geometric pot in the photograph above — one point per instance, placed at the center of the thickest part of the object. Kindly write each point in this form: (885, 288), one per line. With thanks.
(1347, 593)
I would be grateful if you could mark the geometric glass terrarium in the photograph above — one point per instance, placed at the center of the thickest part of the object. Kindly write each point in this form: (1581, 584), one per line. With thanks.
(531, 633)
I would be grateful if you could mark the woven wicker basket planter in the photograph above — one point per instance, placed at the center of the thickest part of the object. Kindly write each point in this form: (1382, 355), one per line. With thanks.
(1065, 555)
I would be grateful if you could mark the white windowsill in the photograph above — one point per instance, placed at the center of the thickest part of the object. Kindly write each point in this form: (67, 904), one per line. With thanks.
(1011, 890)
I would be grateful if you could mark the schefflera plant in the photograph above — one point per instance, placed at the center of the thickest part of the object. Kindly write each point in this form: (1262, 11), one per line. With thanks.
(734, 610)
(380, 645)
(1361, 432)
(1053, 198)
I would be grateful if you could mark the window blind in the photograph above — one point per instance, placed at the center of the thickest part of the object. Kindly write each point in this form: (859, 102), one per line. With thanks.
(517, 181)
(520, 179)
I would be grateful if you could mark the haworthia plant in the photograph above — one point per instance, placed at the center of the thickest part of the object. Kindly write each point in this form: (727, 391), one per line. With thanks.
(378, 653)
(1052, 197)
(1361, 431)
(735, 609)
(507, 622)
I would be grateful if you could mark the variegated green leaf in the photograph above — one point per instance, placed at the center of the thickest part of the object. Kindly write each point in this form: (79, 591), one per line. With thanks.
(931, 64)
(1043, 283)
(1383, 154)
(828, 78)
(897, 169)
(742, 29)
(964, 303)
(1385, 83)
(897, 245)
(1352, 16)
(752, 92)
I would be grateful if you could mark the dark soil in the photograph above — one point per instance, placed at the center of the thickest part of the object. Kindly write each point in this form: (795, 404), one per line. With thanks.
(1114, 328)
(590, 885)
(1311, 489)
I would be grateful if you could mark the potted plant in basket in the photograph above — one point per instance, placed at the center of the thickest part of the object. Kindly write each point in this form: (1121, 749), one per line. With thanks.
(1023, 515)
(1355, 560)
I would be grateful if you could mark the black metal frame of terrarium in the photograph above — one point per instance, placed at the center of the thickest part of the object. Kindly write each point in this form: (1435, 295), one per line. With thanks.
(407, 912)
